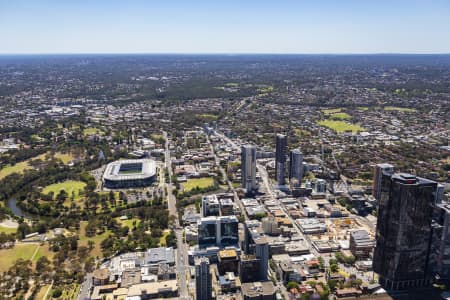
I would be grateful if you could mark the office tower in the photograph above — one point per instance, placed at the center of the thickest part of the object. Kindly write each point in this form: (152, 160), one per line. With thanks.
(280, 158)
(249, 268)
(404, 231)
(210, 206)
(296, 166)
(218, 231)
(262, 253)
(203, 280)
(379, 169)
(321, 186)
(248, 167)
(441, 241)
(256, 244)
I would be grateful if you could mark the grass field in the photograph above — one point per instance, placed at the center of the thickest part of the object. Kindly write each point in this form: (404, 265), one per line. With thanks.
(92, 131)
(200, 182)
(69, 186)
(97, 239)
(395, 108)
(340, 116)
(7, 229)
(64, 157)
(128, 222)
(24, 251)
(162, 239)
(340, 126)
(17, 168)
(363, 108)
(331, 111)
(40, 295)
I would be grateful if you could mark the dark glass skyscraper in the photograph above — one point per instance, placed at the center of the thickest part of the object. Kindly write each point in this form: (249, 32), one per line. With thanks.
(403, 254)
(248, 167)
(296, 166)
(203, 279)
(280, 158)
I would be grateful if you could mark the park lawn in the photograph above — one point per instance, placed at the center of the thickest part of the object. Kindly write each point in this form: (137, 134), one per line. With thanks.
(128, 222)
(340, 116)
(198, 182)
(43, 290)
(395, 108)
(17, 168)
(24, 251)
(92, 131)
(69, 186)
(7, 230)
(267, 89)
(208, 117)
(162, 239)
(340, 126)
(43, 250)
(64, 157)
(331, 111)
(97, 239)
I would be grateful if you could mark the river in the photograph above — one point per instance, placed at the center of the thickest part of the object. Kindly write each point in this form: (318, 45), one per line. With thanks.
(12, 204)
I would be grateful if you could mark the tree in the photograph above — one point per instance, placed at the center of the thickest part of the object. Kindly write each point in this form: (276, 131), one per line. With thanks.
(291, 285)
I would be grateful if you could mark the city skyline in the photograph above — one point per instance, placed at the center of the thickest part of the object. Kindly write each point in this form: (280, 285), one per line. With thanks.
(51, 27)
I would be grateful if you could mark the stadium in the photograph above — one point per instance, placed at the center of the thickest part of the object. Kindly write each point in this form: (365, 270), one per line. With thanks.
(131, 173)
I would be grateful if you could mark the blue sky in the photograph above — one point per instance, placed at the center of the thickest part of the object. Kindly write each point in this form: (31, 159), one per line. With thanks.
(231, 26)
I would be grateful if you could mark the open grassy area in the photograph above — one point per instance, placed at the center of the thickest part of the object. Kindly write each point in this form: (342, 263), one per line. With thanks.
(40, 295)
(395, 108)
(17, 168)
(340, 116)
(97, 239)
(340, 126)
(92, 131)
(64, 157)
(331, 111)
(69, 186)
(24, 251)
(200, 182)
(7, 229)
(362, 108)
(162, 239)
(208, 117)
(128, 222)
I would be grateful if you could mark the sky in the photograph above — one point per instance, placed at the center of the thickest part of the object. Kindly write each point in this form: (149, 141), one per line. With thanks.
(227, 26)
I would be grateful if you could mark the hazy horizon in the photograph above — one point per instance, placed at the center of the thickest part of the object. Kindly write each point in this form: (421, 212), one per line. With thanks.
(225, 27)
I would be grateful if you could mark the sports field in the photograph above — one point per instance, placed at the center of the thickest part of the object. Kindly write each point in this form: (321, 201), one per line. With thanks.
(198, 182)
(395, 108)
(25, 251)
(340, 126)
(69, 186)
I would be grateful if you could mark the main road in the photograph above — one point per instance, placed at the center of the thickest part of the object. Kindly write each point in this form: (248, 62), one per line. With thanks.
(182, 249)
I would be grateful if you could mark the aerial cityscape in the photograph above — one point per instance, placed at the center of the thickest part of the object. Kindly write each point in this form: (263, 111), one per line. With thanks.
(204, 175)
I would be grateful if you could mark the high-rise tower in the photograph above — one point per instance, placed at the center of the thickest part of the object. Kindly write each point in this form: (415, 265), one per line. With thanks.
(203, 280)
(402, 255)
(296, 166)
(248, 167)
(280, 158)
